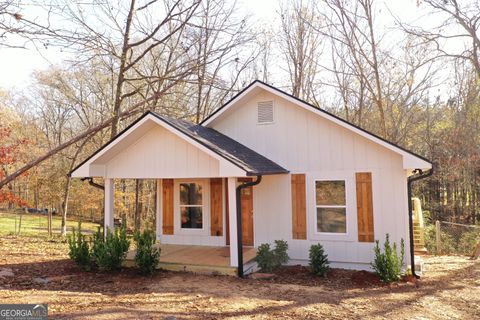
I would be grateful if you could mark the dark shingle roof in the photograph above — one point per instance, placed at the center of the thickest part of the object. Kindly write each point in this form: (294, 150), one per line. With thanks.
(233, 151)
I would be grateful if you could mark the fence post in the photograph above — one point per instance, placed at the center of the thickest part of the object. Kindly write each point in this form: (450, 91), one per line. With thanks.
(437, 236)
(50, 223)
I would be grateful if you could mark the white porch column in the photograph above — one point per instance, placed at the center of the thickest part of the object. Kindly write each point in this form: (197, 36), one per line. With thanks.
(232, 217)
(109, 205)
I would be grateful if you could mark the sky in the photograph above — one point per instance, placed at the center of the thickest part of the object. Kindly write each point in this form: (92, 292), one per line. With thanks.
(17, 65)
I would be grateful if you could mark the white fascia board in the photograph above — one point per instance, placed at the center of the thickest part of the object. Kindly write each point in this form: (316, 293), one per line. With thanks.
(82, 171)
(412, 162)
(409, 160)
(89, 170)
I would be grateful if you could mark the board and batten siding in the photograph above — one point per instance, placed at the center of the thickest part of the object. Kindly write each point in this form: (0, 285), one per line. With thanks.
(304, 143)
(161, 154)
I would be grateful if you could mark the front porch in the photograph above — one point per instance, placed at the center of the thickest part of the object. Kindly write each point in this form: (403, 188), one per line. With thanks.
(198, 259)
(204, 196)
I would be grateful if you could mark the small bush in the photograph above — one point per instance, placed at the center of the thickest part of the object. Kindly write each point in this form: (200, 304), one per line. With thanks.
(268, 259)
(110, 251)
(265, 258)
(280, 252)
(447, 243)
(468, 242)
(79, 249)
(430, 240)
(319, 264)
(147, 255)
(388, 265)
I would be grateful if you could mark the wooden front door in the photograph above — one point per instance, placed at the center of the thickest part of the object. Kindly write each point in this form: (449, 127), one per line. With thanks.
(247, 216)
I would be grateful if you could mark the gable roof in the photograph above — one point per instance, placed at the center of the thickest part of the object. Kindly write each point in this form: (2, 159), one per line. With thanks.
(410, 159)
(224, 147)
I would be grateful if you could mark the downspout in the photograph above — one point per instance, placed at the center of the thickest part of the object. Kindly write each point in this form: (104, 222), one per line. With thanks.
(239, 222)
(418, 175)
(93, 184)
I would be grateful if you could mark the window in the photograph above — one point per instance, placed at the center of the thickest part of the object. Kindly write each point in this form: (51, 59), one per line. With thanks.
(191, 205)
(331, 209)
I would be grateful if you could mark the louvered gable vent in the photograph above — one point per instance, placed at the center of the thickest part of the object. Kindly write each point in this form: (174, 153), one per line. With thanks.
(265, 112)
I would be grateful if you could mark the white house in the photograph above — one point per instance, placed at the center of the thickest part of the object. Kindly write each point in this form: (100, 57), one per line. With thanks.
(266, 166)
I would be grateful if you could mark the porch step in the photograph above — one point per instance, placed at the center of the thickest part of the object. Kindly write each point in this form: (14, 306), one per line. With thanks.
(197, 259)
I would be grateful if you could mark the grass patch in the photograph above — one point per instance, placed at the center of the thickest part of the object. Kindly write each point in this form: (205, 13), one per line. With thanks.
(37, 224)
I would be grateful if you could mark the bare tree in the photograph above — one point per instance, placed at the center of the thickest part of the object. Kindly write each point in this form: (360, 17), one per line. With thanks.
(456, 35)
(351, 26)
(124, 35)
(219, 41)
(18, 26)
(300, 43)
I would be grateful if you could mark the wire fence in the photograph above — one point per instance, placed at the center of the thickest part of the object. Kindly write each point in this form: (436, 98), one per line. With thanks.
(452, 238)
(21, 223)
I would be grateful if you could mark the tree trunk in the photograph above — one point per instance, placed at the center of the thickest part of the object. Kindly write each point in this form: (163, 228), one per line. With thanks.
(65, 205)
(138, 203)
(67, 189)
(121, 72)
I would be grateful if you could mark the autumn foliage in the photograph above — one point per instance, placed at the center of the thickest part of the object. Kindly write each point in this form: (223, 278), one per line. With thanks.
(8, 157)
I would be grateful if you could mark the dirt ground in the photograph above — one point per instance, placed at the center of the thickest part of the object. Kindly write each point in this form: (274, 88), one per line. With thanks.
(33, 270)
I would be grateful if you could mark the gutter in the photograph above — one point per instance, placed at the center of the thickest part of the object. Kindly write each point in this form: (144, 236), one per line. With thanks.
(239, 222)
(93, 184)
(418, 175)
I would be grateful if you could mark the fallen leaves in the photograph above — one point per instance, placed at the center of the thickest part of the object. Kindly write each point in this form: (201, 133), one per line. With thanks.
(449, 290)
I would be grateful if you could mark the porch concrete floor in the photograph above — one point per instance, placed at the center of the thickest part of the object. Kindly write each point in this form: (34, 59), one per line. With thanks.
(200, 259)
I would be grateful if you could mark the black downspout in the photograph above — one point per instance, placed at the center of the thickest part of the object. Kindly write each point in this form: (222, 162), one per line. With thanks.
(239, 222)
(93, 184)
(418, 175)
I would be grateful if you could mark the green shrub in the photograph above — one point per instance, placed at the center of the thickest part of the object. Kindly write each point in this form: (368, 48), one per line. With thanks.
(447, 243)
(387, 264)
(268, 259)
(147, 255)
(280, 252)
(468, 242)
(79, 249)
(109, 252)
(265, 258)
(430, 238)
(319, 264)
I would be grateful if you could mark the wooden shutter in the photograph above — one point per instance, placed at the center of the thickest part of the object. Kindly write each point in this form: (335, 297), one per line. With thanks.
(299, 207)
(216, 206)
(167, 206)
(364, 206)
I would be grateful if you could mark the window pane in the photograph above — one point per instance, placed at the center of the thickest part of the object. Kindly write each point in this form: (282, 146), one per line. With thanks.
(190, 194)
(332, 220)
(191, 217)
(330, 193)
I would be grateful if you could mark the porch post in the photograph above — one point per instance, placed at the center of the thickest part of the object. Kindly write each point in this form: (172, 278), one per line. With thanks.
(232, 218)
(109, 204)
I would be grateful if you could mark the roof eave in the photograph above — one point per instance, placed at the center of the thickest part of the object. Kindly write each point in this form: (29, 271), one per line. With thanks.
(266, 173)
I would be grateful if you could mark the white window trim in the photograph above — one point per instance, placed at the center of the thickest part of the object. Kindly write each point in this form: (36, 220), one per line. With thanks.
(350, 206)
(330, 206)
(205, 211)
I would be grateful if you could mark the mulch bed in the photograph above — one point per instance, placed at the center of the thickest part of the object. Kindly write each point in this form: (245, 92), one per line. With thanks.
(301, 275)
